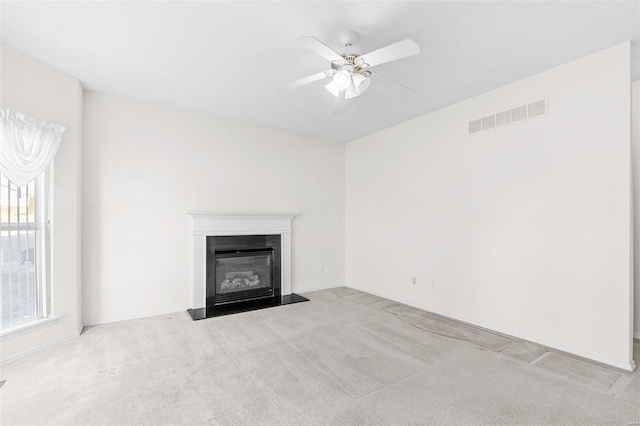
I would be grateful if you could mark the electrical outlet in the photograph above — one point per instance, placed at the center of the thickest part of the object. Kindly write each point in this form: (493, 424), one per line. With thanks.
(414, 280)
(433, 284)
(321, 268)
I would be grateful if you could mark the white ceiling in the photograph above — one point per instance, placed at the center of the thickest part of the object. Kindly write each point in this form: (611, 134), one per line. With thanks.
(227, 58)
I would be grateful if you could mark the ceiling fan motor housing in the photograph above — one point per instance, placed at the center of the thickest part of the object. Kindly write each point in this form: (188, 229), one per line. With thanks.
(348, 37)
(347, 40)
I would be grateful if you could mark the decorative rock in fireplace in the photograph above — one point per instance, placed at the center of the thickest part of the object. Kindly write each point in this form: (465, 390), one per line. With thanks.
(240, 263)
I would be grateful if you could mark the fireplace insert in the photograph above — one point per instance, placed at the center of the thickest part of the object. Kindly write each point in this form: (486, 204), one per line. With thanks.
(242, 267)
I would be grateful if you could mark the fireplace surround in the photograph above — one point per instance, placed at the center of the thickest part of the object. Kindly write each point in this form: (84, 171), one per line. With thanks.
(240, 262)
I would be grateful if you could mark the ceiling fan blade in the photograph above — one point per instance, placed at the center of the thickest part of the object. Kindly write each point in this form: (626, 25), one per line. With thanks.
(320, 48)
(393, 81)
(340, 104)
(305, 80)
(399, 50)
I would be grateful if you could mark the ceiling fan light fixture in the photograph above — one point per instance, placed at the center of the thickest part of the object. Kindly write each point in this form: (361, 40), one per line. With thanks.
(361, 83)
(332, 89)
(349, 70)
(342, 79)
(352, 92)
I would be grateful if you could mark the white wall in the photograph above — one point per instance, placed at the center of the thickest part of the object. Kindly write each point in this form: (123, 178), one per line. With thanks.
(635, 161)
(147, 166)
(524, 229)
(38, 90)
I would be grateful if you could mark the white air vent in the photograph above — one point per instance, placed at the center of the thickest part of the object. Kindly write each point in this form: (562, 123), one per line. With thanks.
(536, 108)
(503, 118)
(519, 113)
(488, 122)
(475, 126)
(513, 115)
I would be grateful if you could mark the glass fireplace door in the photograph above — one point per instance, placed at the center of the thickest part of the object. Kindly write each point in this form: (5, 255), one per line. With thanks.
(240, 271)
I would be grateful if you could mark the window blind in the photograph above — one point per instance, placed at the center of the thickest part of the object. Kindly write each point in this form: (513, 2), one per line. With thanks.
(19, 290)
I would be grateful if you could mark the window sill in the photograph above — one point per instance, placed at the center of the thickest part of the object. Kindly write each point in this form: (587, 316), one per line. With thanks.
(27, 328)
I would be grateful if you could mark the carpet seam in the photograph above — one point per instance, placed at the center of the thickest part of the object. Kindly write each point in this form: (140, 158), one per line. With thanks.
(311, 361)
(459, 339)
(396, 382)
(535, 361)
(568, 379)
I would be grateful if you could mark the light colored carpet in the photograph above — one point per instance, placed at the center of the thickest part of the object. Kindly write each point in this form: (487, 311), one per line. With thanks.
(585, 373)
(344, 358)
(435, 324)
(524, 351)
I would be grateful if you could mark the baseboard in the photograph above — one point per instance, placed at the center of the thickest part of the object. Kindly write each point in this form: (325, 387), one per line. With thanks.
(306, 290)
(38, 348)
(594, 357)
(137, 316)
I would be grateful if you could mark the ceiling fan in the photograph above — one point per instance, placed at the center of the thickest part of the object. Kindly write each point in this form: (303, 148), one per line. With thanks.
(350, 69)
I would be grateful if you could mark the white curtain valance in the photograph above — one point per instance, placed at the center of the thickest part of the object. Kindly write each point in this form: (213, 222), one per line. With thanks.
(27, 146)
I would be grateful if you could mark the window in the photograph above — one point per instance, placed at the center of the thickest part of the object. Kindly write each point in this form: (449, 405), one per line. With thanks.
(23, 253)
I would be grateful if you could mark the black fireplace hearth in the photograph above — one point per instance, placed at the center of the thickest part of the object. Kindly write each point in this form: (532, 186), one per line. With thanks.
(246, 306)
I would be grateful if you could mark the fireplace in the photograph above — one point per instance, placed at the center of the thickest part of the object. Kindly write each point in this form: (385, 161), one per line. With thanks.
(242, 267)
(240, 263)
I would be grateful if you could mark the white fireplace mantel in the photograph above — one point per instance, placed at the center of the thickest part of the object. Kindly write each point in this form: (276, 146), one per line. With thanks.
(208, 224)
